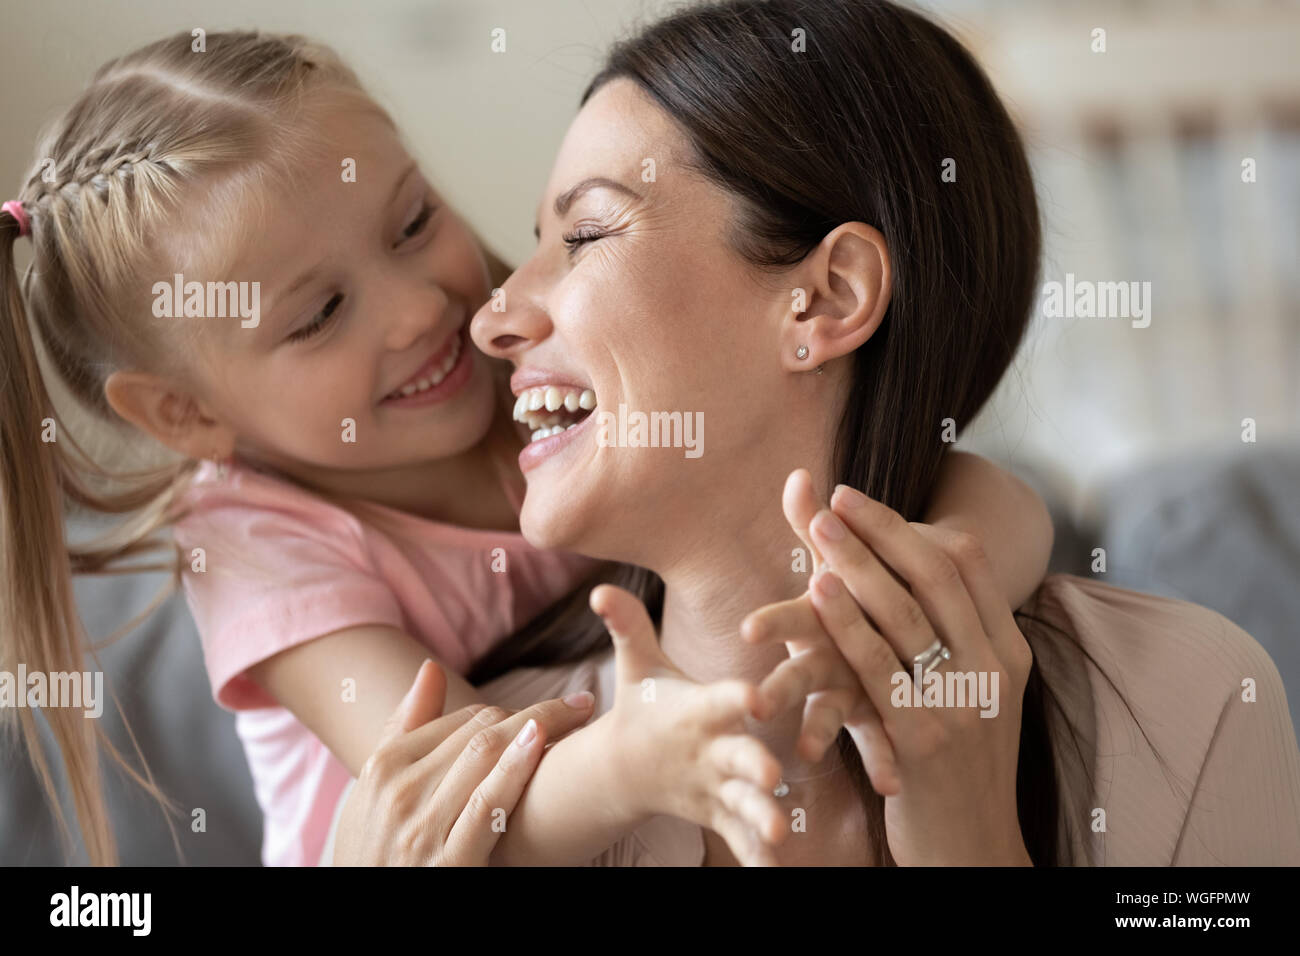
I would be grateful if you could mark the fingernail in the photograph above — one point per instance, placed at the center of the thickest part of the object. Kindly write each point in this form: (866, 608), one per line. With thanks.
(849, 496)
(580, 700)
(410, 691)
(827, 583)
(828, 526)
(527, 734)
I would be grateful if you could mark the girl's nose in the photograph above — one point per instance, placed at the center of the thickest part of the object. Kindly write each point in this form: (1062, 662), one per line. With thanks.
(411, 311)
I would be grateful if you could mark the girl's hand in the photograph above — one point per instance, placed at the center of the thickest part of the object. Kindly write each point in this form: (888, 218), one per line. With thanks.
(683, 745)
(432, 791)
(947, 773)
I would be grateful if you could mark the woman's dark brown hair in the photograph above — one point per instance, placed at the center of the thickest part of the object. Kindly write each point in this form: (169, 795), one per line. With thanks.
(813, 113)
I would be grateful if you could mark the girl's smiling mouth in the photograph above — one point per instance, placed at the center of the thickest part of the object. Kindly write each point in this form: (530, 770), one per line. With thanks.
(446, 371)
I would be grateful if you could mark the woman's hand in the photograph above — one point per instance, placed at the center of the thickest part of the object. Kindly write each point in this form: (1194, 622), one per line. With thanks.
(438, 792)
(683, 745)
(947, 773)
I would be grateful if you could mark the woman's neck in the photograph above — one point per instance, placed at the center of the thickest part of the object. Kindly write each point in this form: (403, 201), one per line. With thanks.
(704, 604)
(706, 597)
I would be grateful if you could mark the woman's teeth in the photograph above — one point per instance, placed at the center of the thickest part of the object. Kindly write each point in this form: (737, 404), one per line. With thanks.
(550, 409)
(433, 378)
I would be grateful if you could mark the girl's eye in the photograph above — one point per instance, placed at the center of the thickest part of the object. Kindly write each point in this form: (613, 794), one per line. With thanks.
(321, 319)
(416, 226)
(581, 236)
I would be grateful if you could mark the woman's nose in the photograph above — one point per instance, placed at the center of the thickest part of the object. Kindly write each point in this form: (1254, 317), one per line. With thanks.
(509, 322)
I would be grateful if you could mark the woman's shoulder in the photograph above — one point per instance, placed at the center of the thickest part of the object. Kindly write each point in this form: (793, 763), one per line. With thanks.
(1148, 636)
(1183, 721)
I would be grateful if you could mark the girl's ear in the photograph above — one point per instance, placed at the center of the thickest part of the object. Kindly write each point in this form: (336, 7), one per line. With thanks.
(170, 415)
(848, 284)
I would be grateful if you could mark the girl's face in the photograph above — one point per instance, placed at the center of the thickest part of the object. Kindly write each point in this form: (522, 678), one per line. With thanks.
(361, 359)
(635, 294)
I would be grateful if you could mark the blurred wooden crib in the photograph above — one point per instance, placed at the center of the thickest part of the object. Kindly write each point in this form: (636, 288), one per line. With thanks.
(1172, 156)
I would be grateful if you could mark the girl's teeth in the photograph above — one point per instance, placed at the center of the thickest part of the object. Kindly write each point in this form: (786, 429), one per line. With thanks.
(553, 399)
(571, 401)
(536, 399)
(587, 399)
(450, 360)
(424, 384)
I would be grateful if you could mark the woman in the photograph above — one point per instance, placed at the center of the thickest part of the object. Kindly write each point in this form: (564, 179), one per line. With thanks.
(796, 270)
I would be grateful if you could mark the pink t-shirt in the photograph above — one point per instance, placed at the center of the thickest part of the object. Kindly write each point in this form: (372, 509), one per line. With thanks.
(282, 566)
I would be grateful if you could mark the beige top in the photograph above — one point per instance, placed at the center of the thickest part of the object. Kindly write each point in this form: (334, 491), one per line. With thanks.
(1207, 697)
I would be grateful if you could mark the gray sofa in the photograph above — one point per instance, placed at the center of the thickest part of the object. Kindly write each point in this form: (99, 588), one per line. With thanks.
(188, 741)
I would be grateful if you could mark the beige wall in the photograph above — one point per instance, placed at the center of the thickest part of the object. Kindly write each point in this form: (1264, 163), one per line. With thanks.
(486, 125)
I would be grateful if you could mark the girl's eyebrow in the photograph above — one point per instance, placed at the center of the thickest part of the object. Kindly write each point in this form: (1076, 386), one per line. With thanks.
(401, 181)
(314, 271)
(299, 282)
(567, 198)
(274, 310)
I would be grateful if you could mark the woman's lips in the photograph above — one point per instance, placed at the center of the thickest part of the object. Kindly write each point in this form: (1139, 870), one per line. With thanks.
(451, 381)
(534, 453)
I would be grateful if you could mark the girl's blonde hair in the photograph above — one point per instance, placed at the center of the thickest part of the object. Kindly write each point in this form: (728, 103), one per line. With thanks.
(179, 133)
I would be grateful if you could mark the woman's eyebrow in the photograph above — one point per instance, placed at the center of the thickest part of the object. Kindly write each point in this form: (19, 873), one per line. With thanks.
(567, 198)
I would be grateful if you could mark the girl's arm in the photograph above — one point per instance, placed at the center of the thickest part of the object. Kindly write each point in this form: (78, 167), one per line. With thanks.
(400, 814)
(575, 806)
(667, 746)
(344, 685)
(591, 787)
(1006, 515)
(573, 809)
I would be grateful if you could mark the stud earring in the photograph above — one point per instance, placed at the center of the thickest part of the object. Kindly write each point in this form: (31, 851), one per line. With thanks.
(801, 352)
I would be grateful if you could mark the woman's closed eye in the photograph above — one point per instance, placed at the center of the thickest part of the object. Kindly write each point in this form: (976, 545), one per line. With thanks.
(581, 236)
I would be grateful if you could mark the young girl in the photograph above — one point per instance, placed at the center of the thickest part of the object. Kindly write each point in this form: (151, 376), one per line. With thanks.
(341, 491)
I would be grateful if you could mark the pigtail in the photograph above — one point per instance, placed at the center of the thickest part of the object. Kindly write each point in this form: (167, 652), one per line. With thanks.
(40, 625)
(153, 127)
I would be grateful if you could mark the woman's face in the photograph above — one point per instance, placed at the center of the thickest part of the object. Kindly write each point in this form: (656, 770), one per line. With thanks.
(635, 294)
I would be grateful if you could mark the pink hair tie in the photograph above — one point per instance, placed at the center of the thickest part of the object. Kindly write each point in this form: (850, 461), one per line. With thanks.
(15, 208)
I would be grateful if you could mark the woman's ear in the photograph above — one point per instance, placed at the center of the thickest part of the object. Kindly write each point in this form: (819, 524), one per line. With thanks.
(848, 283)
(171, 415)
